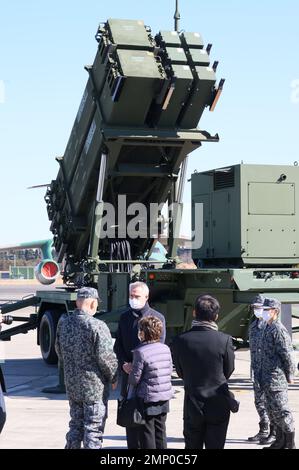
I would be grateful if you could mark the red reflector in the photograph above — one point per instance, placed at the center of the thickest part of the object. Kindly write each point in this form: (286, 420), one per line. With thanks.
(151, 277)
(294, 275)
(49, 269)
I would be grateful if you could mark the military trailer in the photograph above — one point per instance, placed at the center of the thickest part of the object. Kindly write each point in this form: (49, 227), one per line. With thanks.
(134, 130)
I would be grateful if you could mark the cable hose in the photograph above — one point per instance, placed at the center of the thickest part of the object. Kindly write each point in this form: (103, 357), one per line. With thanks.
(120, 250)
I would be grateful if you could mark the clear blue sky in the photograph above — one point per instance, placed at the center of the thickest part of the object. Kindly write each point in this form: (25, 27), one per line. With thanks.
(45, 44)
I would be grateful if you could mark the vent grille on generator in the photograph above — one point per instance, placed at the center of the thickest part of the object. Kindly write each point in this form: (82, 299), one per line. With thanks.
(224, 179)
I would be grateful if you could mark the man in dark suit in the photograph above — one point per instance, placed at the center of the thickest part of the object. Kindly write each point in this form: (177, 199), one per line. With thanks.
(2, 389)
(204, 358)
(127, 339)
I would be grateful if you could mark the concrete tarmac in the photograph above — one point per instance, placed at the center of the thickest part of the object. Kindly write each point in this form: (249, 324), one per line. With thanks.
(36, 420)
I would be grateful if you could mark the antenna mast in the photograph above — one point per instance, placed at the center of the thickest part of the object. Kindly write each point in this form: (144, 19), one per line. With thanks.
(177, 16)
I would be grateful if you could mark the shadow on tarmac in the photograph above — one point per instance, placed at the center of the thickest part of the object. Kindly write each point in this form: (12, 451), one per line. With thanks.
(31, 367)
(246, 384)
(27, 378)
(240, 441)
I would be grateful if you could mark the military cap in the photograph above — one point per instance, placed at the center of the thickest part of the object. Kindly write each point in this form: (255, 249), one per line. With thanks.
(271, 303)
(87, 293)
(258, 300)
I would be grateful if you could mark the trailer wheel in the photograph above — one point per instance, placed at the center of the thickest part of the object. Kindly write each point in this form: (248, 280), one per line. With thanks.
(47, 334)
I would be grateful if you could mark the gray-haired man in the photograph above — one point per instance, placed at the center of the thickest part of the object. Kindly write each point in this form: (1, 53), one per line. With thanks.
(85, 349)
(127, 340)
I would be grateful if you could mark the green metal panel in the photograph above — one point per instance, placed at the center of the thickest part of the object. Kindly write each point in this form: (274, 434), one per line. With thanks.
(128, 33)
(139, 64)
(271, 198)
(200, 98)
(175, 313)
(200, 57)
(142, 80)
(201, 183)
(206, 76)
(220, 224)
(182, 72)
(80, 130)
(271, 241)
(119, 290)
(90, 159)
(100, 67)
(169, 38)
(113, 291)
(57, 296)
(234, 318)
(135, 90)
(193, 40)
(250, 280)
(176, 55)
(269, 228)
(184, 80)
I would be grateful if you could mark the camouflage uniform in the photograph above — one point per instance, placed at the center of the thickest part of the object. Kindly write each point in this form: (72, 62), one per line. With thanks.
(274, 369)
(255, 341)
(84, 346)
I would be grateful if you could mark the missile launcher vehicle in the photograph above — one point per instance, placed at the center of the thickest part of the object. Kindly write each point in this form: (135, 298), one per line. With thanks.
(125, 161)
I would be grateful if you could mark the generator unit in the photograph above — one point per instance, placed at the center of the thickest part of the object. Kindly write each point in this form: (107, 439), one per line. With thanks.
(250, 215)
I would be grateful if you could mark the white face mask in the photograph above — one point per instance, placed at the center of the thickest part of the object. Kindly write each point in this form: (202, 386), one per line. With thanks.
(266, 315)
(258, 312)
(136, 304)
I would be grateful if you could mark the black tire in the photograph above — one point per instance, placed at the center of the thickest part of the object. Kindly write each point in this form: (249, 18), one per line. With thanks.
(47, 334)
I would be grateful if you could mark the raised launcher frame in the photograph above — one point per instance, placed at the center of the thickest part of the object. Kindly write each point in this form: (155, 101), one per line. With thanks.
(133, 132)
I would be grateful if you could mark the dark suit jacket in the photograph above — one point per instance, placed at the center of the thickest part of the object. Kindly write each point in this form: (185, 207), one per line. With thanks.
(2, 383)
(127, 333)
(204, 359)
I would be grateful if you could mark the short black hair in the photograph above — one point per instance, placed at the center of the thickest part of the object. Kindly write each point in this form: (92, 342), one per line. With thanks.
(206, 308)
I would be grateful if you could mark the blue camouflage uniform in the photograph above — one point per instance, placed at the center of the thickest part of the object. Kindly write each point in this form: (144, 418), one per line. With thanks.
(274, 368)
(256, 332)
(85, 348)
